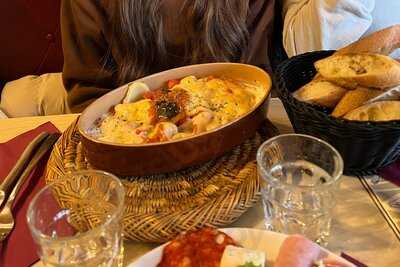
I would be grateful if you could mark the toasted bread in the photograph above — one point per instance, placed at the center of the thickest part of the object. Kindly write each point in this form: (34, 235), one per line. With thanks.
(377, 111)
(366, 70)
(381, 42)
(320, 92)
(354, 99)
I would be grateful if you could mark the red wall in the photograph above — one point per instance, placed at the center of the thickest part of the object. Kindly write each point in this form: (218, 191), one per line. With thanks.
(30, 41)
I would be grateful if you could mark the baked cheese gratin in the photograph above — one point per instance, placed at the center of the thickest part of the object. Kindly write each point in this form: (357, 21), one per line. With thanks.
(183, 108)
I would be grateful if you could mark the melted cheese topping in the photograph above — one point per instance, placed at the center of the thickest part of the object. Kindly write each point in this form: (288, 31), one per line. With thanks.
(141, 112)
(212, 102)
(227, 99)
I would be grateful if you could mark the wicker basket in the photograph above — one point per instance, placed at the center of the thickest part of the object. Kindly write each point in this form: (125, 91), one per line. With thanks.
(159, 207)
(365, 146)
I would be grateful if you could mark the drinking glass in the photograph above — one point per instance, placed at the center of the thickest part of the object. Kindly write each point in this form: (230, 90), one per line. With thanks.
(299, 176)
(76, 221)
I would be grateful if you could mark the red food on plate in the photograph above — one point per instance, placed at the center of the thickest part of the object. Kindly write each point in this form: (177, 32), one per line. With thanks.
(201, 248)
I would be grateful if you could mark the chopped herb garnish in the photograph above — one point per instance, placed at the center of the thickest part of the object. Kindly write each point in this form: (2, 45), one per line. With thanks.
(249, 264)
(167, 109)
(165, 90)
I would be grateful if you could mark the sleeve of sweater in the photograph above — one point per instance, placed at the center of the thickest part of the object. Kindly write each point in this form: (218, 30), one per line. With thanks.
(85, 50)
(311, 25)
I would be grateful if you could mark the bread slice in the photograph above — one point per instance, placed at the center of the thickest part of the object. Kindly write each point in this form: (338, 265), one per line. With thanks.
(377, 111)
(366, 70)
(381, 42)
(320, 92)
(354, 99)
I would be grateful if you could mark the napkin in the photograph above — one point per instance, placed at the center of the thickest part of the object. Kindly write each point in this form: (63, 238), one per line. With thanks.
(392, 173)
(19, 249)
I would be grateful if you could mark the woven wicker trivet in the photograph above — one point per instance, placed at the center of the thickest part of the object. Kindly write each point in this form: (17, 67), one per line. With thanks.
(161, 206)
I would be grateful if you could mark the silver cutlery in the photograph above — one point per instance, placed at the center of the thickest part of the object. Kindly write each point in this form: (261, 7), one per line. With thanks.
(6, 217)
(11, 178)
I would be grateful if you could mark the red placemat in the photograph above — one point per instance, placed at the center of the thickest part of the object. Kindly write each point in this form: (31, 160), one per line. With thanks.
(392, 173)
(19, 249)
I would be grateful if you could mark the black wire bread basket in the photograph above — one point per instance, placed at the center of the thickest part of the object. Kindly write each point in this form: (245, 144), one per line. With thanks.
(365, 147)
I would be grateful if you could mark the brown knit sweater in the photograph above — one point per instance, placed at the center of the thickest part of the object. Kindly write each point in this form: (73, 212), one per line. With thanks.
(86, 37)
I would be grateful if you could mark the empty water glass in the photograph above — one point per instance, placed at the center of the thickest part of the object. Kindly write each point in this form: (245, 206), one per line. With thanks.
(299, 176)
(76, 221)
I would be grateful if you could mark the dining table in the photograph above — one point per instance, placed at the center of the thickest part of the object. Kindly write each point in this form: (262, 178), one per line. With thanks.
(359, 228)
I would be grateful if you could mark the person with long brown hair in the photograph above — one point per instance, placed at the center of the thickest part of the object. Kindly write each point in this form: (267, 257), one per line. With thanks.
(107, 43)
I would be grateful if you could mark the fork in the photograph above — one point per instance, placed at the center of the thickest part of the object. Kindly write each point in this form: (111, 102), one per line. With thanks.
(6, 217)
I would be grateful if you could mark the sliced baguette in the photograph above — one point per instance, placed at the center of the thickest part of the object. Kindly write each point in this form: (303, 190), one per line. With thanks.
(381, 42)
(354, 99)
(366, 70)
(320, 92)
(378, 111)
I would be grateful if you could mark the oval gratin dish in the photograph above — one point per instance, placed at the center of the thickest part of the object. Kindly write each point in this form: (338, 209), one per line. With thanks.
(169, 156)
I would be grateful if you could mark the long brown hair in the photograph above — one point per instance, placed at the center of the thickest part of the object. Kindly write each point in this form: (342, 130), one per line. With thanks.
(217, 32)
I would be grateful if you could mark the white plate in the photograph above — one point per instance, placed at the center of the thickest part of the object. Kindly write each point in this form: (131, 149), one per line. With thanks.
(267, 241)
